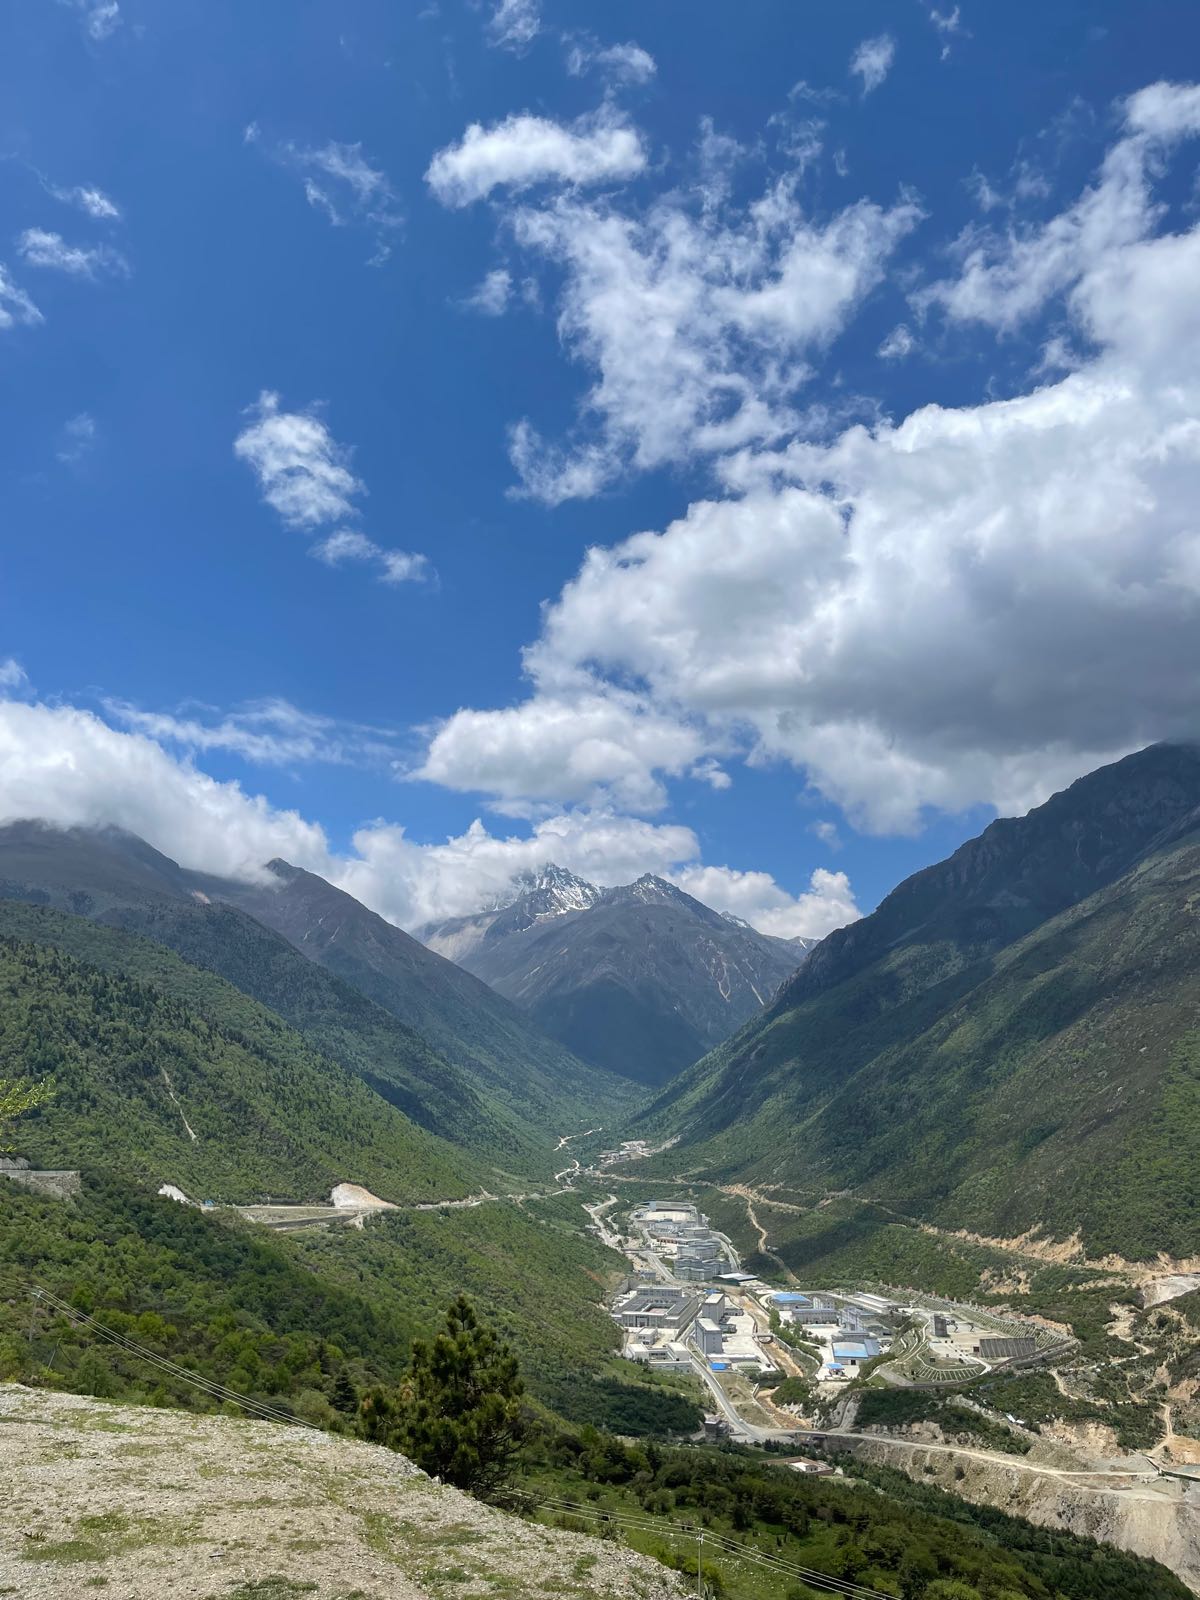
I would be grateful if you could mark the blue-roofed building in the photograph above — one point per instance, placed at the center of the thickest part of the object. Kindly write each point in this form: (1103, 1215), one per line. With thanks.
(789, 1298)
(852, 1352)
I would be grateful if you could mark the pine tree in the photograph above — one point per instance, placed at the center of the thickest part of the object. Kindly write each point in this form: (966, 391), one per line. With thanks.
(16, 1098)
(459, 1415)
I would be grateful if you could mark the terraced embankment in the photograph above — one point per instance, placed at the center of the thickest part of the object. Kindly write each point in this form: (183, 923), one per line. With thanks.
(1134, 1510)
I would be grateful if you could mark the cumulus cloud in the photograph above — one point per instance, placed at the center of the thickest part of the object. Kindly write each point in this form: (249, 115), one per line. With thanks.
(302, 471)
(71, 768)
(16, 308)
(975, 604)
(305, 475)
(827, 903)
(40, 248)
(514, 25)
(1007, 277)
(525, 150)
(872, 61)
(593, 750)
(698, 321)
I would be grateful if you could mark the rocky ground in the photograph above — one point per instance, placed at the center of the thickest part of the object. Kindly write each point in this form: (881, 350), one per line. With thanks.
(134, 1503)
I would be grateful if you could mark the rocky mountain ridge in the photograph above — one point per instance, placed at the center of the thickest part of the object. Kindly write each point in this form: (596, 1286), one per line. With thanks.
(640, 978)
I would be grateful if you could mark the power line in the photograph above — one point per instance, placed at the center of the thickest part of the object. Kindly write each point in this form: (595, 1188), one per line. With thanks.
(727, 1546)
(633, 1521)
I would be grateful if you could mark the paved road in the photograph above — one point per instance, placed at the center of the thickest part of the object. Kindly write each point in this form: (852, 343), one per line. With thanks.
(996, 1458)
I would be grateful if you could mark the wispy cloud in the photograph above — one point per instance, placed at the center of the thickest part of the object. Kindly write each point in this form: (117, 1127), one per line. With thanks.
(271, 732)
(493, 294)
(16, 308)
(898, 344)
(101, 18)
(872, 61)
(341, 182)
(41, 248)
(393, 566)
(621, 63)
(305, 476)
(948, 24)
(12, 674)
(514, 25)
(86, 198)
(77, 440)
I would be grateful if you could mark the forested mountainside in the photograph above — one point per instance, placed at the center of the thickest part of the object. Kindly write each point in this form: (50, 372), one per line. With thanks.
(439, 1043)
(641, 979)
(1011, 1041)
(165, 1074)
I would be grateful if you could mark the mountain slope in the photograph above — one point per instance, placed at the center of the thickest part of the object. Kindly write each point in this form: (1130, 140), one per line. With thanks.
(1011, 1041)
(435, 1041)
(476, 1028)
(640, 980)
(164, 1074)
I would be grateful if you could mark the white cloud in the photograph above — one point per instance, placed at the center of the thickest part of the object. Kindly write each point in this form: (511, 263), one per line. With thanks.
(699, 322)
(974, 605)
(68, 767)
(872, 61)
(88, 199)
(267, 733)
(827, 833)
(101, 18)
(393, 566)
(493, 294)
(304, 474)
(569, 749)
(514, 24)
(525, 150)
(828, 902)
(622, 63)
(78, 439)
(16, 308)
(41, 248)
(898, 344)
(71, 768)
(946, 21)
(12, 674)
(341, 182)
(711, 771)
(1005, 278)
(302, 471)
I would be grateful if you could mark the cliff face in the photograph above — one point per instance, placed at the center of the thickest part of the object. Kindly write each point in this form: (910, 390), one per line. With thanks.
(1154, 1517)
(159, 1505)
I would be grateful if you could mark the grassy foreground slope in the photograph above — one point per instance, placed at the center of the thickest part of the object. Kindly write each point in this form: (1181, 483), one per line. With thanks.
(953, 1062)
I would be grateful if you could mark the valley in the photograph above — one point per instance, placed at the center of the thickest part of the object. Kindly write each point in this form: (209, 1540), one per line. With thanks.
(282, 1170)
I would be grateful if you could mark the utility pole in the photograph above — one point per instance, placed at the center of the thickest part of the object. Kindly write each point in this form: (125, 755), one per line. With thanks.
(700, 1563)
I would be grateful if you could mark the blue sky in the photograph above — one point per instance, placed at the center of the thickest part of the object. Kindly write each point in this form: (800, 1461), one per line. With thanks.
(333, 337)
